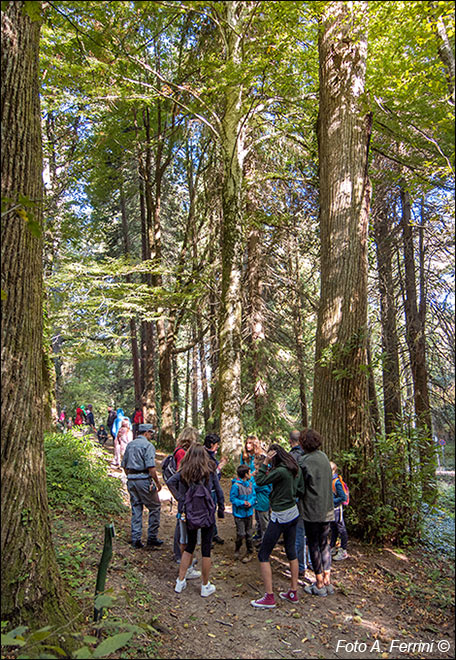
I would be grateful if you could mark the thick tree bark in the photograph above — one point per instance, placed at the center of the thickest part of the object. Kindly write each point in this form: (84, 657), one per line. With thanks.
(392, 405)
(340, 406)
(415, 333)
(32, 590)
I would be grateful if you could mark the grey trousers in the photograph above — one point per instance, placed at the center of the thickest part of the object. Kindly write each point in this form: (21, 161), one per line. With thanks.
(141, 496)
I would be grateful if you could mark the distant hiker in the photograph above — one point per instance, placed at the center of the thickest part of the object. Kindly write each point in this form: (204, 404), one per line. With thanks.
(110, 421)
(123, 437)
(79, 419)
(280, 470)
(211, 445)
(70, 423)
(192, 485)
(243, 499)
(338, 524)
(102, 435)
(118, 420)
(318, 510)
(143, 486)
(90, 419)
(186, 439)
(138, 418)
(301, 550)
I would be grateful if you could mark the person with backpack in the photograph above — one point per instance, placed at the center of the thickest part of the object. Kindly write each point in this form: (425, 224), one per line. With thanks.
(280, 470)
(243, 499)
(341, 499)
(170, 465)
(192, 485)
(211, 445)
(317, 510)
(301, 543)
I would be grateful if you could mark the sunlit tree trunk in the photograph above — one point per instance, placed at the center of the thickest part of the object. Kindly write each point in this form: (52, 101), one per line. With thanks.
(415, 333)
(32, 590)
(340, 404)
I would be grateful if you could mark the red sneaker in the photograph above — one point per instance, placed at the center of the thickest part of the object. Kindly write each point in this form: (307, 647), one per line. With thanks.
(290, 595)
(267, 602)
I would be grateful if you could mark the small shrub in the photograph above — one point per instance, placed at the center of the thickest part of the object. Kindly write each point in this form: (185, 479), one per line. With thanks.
(77, 477)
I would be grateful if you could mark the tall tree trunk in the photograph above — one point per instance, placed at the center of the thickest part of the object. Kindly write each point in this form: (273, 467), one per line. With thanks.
(392, 405)
(133, 333)
(176, 395)
(32, 590)
(296, 319)
(232, 241)
(203, 372)
(415, 333)
(257, 331)
(194, 381)
(340, 406)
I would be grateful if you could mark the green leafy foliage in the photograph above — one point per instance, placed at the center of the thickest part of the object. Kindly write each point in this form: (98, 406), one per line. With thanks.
(77, 476)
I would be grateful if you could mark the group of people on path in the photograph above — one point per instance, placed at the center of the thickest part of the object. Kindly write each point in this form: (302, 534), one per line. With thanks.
(279, 489)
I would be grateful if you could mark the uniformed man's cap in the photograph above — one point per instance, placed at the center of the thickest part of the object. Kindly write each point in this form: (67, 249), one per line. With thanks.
(142, 428)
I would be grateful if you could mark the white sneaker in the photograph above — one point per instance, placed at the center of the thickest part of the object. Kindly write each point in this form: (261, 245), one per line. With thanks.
(342, 554)
(192, 573)
(207, 589)
(180, 585)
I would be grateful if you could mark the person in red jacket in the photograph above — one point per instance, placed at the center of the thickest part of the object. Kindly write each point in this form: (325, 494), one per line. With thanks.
(138, 418)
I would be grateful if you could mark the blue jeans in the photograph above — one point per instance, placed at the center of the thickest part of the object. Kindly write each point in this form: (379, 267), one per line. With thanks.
(301, 547)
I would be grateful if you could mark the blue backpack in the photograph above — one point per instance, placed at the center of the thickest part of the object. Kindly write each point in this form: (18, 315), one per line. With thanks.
(199, 507)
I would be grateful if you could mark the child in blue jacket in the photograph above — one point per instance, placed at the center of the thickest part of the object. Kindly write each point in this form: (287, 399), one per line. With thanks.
(242, 497)
(262, 507)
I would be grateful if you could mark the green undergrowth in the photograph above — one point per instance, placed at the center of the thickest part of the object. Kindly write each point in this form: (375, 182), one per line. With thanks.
(77, 477)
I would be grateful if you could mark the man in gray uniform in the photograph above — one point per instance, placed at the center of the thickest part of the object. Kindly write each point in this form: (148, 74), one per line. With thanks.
(143, 486)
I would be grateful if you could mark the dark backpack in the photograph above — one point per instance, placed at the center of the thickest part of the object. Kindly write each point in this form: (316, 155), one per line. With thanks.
(199, 507)
(169, 467)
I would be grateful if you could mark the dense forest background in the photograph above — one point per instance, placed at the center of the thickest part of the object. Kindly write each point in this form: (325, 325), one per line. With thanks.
(245, 224)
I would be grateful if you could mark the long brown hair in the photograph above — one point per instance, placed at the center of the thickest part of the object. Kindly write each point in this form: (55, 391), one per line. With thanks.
(256, 447)
(282, 457)
(196, 465)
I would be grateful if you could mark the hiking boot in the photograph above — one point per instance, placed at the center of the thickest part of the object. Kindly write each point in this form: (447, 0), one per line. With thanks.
(192, 574)
(342, 554)
(236, 554)
(138, 544)
(334, 550)
(329, 589)
(267, 602)
(180, 585)
(291, 596)
(248, 557)
(154, 543)
(313, 590)
(207, 589)
(218, 540)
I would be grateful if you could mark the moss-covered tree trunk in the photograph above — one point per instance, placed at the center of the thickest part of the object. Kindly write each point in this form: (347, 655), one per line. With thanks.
(340, 404)
(32, 590)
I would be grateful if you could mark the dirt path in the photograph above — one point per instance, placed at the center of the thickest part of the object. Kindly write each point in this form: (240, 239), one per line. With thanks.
(381, 596)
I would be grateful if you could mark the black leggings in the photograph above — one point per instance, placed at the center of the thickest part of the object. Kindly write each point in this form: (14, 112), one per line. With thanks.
(271, 536)
(206, 540)
(318, 541)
